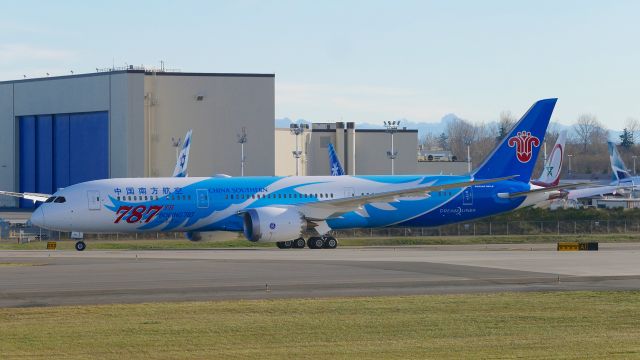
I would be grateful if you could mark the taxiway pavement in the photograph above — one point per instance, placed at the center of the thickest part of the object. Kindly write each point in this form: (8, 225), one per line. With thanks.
(44, 278)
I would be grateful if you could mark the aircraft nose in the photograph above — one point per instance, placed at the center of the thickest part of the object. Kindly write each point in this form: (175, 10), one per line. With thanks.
(37, 218)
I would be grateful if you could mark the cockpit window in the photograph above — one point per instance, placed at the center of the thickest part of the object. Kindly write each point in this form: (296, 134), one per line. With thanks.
(60, 199)
(50, 199)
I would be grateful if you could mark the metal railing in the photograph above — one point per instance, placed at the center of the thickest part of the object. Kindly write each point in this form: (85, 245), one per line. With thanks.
(480, 228)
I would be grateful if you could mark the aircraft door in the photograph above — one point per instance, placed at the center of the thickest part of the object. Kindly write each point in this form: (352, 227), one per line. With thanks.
(93, 196)
(203, 198)
(349, 192)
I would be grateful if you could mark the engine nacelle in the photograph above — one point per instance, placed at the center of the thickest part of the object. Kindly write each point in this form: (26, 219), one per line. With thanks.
(273, 224)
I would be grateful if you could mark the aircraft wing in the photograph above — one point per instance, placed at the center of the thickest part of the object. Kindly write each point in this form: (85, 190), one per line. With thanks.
(323, 210)
(27, 195)
(592, 191)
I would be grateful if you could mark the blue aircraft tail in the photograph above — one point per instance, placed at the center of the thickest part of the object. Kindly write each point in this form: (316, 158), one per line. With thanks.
(517, 152)
(334, 163)
(620, 171)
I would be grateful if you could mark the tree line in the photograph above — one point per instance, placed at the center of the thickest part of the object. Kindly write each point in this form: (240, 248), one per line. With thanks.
(586, 143)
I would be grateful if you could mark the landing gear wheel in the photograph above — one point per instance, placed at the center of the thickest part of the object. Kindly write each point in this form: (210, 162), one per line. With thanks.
(315, 243)
(284, 244)
(330, 242)
(80, 246)
(299, 243)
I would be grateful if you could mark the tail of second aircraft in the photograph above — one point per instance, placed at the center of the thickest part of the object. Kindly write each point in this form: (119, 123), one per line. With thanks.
(620, 171)
(183, 157)
(553, 166)
(517, 152)
(335, 166)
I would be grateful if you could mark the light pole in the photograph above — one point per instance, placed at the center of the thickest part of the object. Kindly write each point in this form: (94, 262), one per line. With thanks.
(467, 142)
(242, 139)
(392, 128)
(297, 130)
(634, 164)
(570, 156)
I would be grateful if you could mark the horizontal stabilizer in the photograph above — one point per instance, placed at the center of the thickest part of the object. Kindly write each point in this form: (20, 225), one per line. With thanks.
(539, 190)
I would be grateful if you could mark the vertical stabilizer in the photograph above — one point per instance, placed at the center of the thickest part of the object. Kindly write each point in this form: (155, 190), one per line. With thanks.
(183, 157)
(517, 152)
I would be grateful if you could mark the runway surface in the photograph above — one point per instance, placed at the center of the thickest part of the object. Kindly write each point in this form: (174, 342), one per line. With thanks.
(42, 278)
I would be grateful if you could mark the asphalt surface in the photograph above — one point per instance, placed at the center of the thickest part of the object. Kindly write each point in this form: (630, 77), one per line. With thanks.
(42, 278)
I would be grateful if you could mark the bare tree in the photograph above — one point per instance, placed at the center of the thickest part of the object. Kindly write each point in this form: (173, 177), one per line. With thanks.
(589, 131)
(633, 125)
(505, 124)
(429, 141)
(460, 133)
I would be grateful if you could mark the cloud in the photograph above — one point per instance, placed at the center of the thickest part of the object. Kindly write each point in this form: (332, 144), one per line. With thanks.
(356, 102)
(13, 53)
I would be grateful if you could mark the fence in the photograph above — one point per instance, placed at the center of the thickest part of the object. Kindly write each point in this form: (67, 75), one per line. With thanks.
(478, 228)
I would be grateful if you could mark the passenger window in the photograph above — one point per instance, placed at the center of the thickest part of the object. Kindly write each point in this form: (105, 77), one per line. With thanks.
(129, 197)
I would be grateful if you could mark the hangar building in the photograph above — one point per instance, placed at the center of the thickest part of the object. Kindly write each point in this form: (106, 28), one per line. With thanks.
(361, 151)
(58, 131)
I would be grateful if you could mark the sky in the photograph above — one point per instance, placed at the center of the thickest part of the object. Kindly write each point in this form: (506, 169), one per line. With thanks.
(362, 61)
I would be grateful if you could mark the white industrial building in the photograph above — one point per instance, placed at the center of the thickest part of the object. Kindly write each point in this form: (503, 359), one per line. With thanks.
(361, 151)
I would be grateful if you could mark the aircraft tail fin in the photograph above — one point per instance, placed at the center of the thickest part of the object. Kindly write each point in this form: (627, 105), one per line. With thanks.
(620, 171)
(183, 157)
(334, 163)
(553, 166)
(517, 152)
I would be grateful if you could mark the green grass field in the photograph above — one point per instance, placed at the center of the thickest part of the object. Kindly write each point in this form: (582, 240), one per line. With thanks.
(565, 325)
(147, 244)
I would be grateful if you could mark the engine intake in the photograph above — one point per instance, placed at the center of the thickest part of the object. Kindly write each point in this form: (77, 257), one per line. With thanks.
(273, 224)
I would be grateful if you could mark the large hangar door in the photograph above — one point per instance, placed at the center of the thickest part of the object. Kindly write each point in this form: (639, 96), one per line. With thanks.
(59, 150)
(89, 147)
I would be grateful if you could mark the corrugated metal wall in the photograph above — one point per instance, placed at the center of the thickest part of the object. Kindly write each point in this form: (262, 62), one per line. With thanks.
(61, 150)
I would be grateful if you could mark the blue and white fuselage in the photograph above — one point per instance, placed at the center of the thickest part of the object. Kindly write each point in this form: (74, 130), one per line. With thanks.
(211, 204)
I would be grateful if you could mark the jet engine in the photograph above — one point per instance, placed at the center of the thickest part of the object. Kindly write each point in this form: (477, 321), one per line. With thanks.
(273, 224)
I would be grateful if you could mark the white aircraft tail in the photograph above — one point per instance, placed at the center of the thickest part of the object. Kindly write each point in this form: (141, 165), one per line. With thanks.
(553, 166)
(183, 157)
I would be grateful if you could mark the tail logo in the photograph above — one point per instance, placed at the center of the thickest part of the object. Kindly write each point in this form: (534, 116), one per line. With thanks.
(524, 143)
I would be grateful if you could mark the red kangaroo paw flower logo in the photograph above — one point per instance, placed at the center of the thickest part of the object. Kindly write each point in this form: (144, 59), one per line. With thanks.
(524, 143)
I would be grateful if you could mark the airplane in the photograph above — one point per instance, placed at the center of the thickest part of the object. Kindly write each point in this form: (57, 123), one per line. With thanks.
(284, 210)
(622, 179)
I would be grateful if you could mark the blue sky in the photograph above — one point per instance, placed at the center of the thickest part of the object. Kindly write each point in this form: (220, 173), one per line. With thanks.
(362, 61)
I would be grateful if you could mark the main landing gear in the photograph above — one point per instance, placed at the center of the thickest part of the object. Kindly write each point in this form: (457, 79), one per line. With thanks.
(315, 242)
(80, 246)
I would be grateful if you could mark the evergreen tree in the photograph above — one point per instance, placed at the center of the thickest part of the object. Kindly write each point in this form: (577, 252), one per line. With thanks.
(626, 139)
(443, 141)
